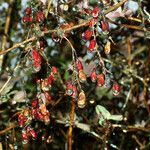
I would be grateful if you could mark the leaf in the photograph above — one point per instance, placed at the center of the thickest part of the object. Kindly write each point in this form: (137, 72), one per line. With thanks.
(116, 117)
(105, 114)
(103, 111)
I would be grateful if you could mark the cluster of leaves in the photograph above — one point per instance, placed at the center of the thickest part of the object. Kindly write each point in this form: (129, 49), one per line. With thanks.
(96, 47)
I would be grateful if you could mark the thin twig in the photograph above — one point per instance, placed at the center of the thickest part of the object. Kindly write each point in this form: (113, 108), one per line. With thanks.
(72, 114)
(86, 23)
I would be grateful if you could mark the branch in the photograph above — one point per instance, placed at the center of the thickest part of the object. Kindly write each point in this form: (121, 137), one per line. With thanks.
(72, 113)
(112, 8)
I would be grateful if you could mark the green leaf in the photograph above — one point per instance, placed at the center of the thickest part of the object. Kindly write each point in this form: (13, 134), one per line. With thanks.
(103, 111)
(116, 117)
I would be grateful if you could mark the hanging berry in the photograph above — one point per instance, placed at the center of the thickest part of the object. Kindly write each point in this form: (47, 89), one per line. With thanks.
(93, 75)
(25, 137)
(95, 12)
(92, 45)
(116, 89)
(21, 120)
(81, 100)
(34, 103)
(33, 133)
(75, 92)
(36, 60)
(45, 86)
(27, 19)
(104, 26)
(28, 11)
(54, 70)
(69, 88)
(82, 76)
(79, 65)
(107, 47)
(100, 79)
(87, 35)
(39, 16)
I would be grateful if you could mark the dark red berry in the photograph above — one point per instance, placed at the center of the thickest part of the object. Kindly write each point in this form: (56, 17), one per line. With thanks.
(104, 26)
(27, 19)
(33, 133)
(39, 16)
(92, 45)
(28, 11)
(87, 35)
(116, 89)
(50, 79)
(34, 103)
(95, 12)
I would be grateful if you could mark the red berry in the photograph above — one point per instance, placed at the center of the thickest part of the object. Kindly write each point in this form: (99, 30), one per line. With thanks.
(69, 89)
(104, 26)
(100, 80)
(48, 97)
(27, 19)
(34, 103)
(36, 60)
(50, 79)
(87, 34)
(75, 92)
(92, 45)
(21, 120)
(116, 89)
(24, 137)
(93, 75)
(79, 65)
(33, 133)
(39, 16)
(28, 11)
(54, 70)
(95, 12)
(36, 56)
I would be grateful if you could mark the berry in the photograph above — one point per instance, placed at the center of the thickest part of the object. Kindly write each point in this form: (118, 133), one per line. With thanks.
(82, 76)
(87, 35)
(75, 92)
(93, 75)
(69, 89)
(39, 16)
(116, 89)
(34, 103)
(104, 26)
(54, 70)
(36, 60)
(100, 80)
(95, 12)
(33, 133)
(28, 11)
(27, 19)
(50, 79)
(81, 100)
(92, 45)
(79, 65)
(21, 120)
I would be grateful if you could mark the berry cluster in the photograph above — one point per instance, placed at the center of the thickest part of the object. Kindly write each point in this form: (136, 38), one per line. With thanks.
(38, 110)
